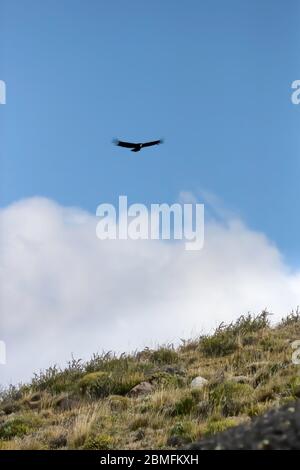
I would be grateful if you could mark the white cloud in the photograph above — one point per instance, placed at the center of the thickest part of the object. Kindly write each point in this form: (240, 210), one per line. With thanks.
(64, 291)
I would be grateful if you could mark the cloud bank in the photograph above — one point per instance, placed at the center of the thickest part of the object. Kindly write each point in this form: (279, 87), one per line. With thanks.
(63, 291)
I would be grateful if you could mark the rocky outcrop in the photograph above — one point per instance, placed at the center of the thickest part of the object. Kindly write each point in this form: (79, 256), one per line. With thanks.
(278, 429)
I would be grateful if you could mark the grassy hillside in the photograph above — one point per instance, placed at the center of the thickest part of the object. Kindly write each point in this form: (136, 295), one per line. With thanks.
(248, 367)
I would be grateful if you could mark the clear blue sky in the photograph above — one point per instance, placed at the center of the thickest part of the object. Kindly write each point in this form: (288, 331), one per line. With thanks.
(212, 77)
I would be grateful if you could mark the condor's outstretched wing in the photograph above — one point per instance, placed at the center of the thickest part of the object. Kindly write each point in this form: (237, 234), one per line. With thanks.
(128, 145)
(154, 142)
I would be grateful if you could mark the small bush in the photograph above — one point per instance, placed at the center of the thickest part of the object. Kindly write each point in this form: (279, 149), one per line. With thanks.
(273, 344)
(227, 338)
(180, 429)
(183, 407)
(14, 428)
(101, 384)
(291, 319)
(12, 393)
(164, 356)
(182, 433)
(166, 380)
(138, 423)
(54, 380)
(100, 442)
(229, 398)
(265, 373)
(294, 386)
(118, 403)
(10, 407)
(220, 344)
(95, 384)
(256, 409)
(218, 425)
(122, 384)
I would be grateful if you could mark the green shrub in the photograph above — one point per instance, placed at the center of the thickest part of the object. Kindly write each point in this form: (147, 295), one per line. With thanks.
(291, 319)
(118, 403)
(181, 429)
(226, 338)
(99, 442)
(114, 364)
(249, 339)
(183, 407)
(122, 384)
(54, 380)
(139, 422)
(246, 324)
(229, 398)
(164, 356)
(294, 386)
(95, 384)
(265, 373)
(273, 344)
(10, 407)
(214, 426)
(165, 380)
(178, 429)
(14, 428)
(220, 344)
(101, 384)
(255, 409)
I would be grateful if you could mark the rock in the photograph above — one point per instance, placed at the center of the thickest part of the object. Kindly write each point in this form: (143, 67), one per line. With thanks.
(199, 382)
(177, 441)
(35, 397)
(34, 405)
(65, 402)
(139, 435)
(34, 401)
(240, 379)
(58, 442)
(173, 370)
(143, 388)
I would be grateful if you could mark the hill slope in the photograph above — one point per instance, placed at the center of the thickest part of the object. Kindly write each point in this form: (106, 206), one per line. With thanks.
(150, 400)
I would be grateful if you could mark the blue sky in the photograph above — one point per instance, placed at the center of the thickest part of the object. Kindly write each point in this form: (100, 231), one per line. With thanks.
(211, 77)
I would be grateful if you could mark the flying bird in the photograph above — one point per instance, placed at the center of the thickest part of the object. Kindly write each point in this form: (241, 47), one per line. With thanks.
(136, 147)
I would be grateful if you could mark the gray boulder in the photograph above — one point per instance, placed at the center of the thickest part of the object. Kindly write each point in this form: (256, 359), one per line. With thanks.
(143, 388)
(199, 382)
